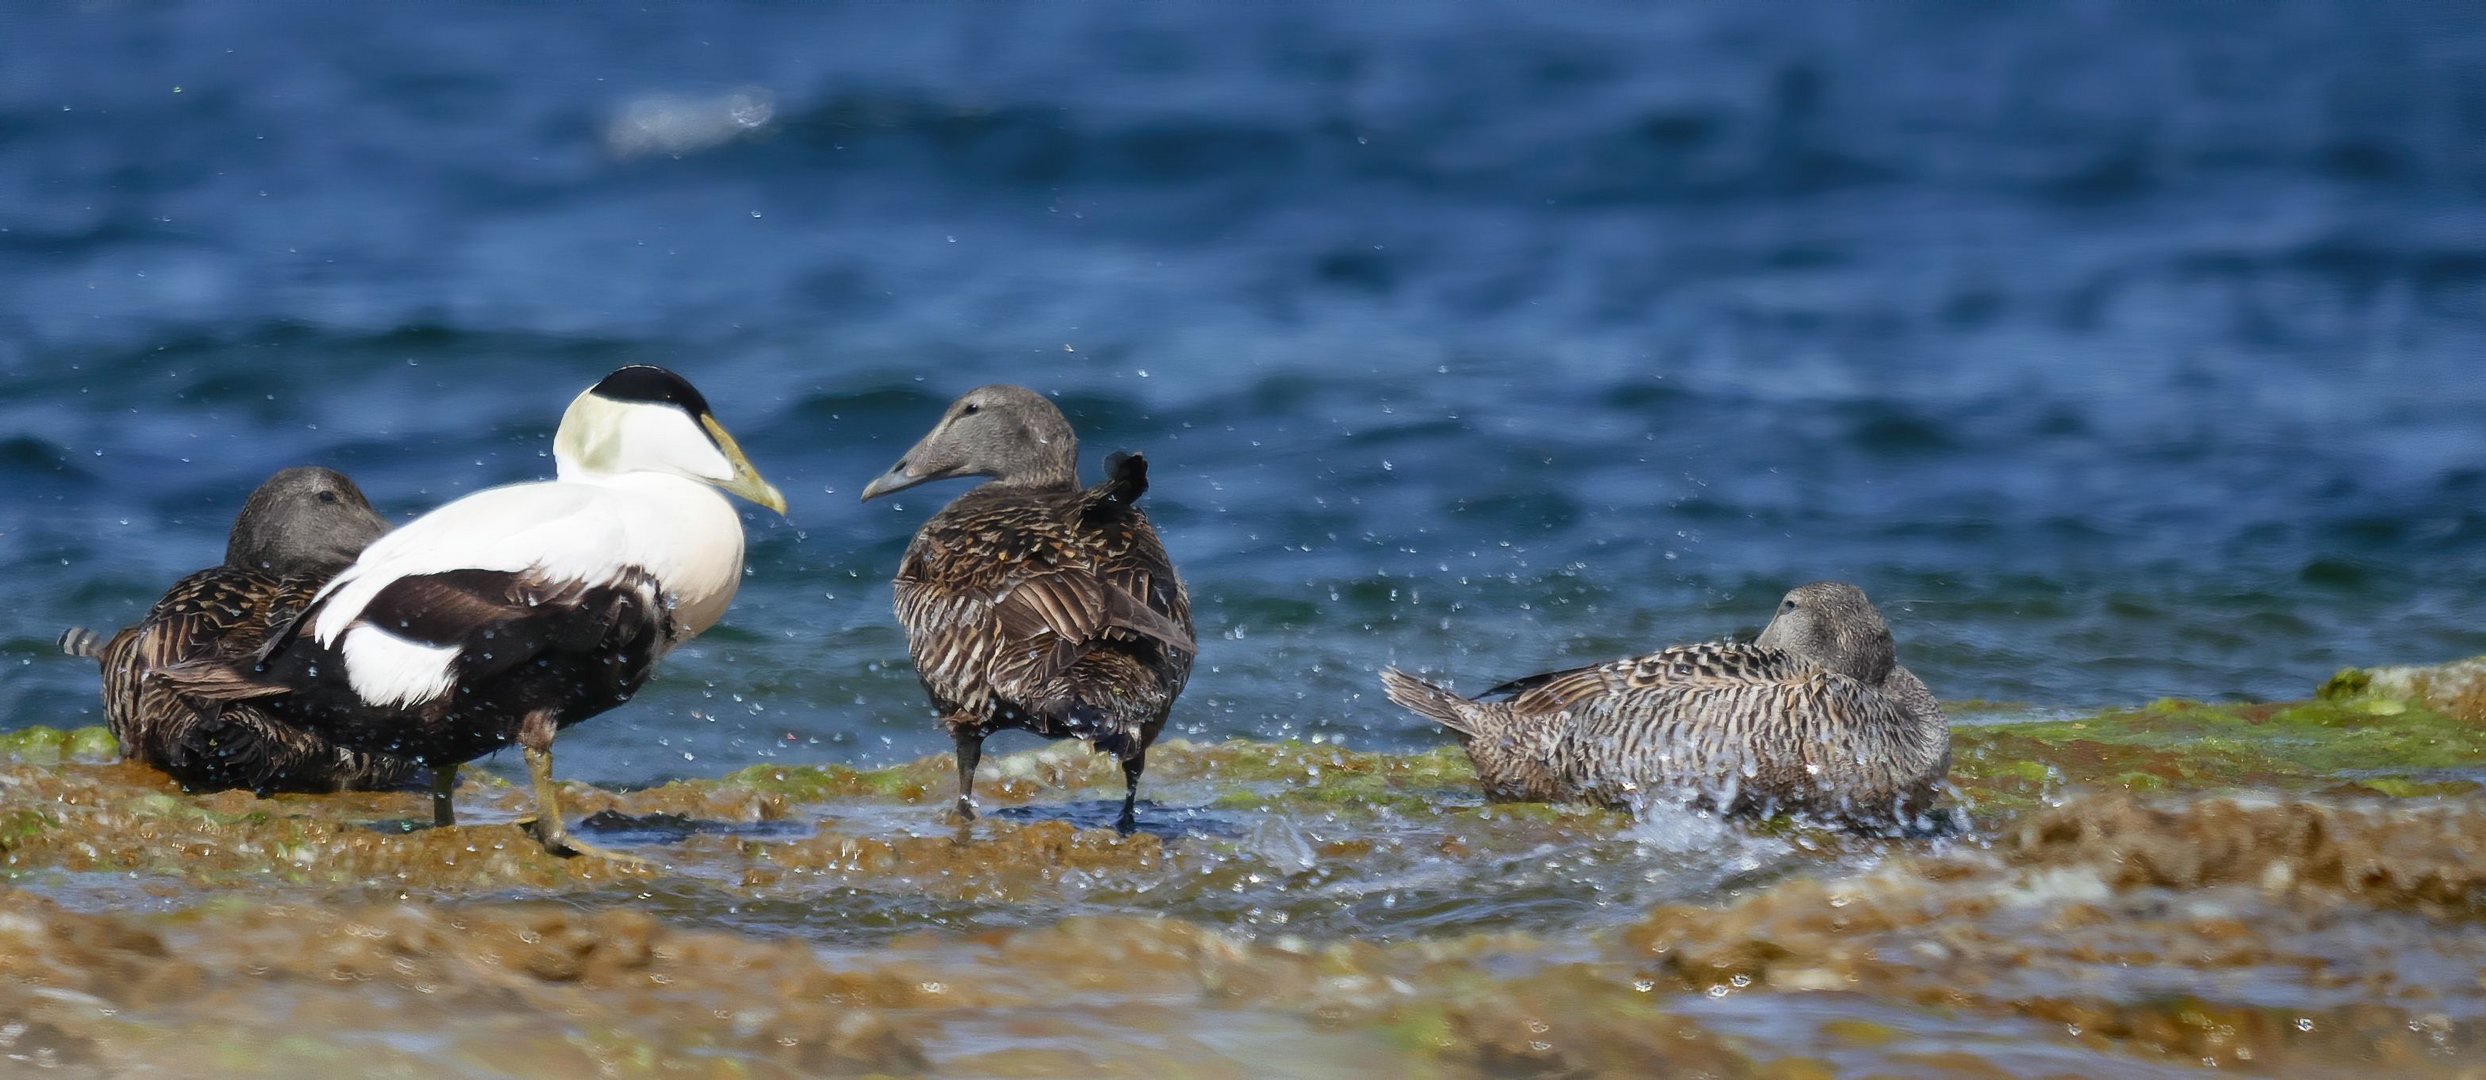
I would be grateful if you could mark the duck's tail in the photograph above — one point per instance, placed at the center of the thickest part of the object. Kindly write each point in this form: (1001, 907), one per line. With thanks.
(1430, 701)
(1115, 700)
(82, 643)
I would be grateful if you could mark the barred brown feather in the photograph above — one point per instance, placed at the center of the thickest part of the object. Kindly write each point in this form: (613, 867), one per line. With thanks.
(224, 615)
(1032, 603)
(295, 531)
(1020, 603)
(1816, 718)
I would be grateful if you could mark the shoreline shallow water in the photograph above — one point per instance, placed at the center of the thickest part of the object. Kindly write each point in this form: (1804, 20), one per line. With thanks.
(1481, 339)
(2119, 351)
(2291, 887)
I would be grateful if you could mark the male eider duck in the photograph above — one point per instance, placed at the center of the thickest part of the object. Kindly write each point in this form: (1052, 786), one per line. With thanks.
(516, 611)
(1032, 603)
(1815, 716)
(294, 533)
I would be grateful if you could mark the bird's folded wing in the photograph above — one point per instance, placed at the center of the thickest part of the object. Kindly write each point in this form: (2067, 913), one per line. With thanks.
(213, 680)
(448, 608)
(1558, 689)
(499, 619)
(1685, 667)
(1078, 607)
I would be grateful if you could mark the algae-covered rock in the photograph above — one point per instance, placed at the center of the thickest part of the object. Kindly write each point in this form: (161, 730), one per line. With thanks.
(2297, 936)
(50, 746)
(544, 990)
(2175, 747)
(2457, 689)
(2283, 887)
(2426, 857)
(530, 990)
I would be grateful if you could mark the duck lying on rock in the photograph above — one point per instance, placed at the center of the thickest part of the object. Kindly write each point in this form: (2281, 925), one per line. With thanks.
(295, 532)
(1815, 716)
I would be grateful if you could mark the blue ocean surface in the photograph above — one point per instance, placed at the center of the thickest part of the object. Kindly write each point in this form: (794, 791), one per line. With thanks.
(2118, 351)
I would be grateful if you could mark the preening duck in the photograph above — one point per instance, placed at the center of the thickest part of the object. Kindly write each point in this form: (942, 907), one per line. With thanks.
(1032, 603)
(513, 612)
(1815, 716)
(294, 533)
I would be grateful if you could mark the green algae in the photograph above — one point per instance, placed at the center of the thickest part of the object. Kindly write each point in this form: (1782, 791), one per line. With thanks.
(2348, 683)
(91, 744)
(2302, 738)
(2190, 746)
(51, 746)
(826, 783)
(2398, 787)
(2457, 689)
(19, 825)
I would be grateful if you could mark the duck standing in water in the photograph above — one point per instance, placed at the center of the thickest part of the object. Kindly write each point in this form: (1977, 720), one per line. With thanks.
(1033, 603)
(1815, 716)
(516, 611)
(294, 534)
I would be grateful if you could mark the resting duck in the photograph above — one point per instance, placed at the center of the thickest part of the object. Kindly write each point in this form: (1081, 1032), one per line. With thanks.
(1815, 716)
(294, 533)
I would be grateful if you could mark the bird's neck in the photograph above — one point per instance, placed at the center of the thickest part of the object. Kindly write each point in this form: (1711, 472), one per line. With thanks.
(684, 532)
(1058, 475)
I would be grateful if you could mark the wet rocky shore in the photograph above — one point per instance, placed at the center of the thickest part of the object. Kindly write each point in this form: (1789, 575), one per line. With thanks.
(2293, 888)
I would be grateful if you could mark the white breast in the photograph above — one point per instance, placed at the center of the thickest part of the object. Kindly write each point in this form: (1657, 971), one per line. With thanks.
(680, 531)
(687, 535)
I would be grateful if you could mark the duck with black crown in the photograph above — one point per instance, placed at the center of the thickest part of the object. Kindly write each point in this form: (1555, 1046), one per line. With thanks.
(516, 611)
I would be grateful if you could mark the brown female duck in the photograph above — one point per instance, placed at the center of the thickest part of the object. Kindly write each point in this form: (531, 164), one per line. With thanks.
(1816, 716)
(1031, 602)
(294, 533)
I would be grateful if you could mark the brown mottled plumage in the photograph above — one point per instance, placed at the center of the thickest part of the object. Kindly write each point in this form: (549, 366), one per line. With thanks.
(296, 531)
(1816, 716)
(1032, 603)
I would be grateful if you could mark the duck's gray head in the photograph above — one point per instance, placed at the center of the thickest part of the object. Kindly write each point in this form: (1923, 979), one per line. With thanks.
(1009, 433)
(1832, 624)
(303, 521)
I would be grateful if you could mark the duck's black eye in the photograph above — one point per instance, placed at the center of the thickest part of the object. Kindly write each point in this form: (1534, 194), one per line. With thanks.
(971, 410)
(327, 496)
(1785, 606)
